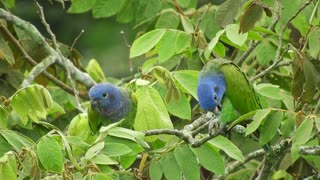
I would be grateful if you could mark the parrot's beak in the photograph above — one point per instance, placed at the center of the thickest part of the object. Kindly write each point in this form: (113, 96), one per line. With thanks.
(94, 104)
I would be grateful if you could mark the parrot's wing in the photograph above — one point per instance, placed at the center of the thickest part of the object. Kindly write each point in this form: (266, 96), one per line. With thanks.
(239, 90)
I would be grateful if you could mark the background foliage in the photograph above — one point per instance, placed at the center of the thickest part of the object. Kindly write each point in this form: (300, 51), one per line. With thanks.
(44, 130)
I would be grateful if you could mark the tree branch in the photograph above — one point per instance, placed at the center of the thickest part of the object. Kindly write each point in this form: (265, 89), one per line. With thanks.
(31, 30)
(279, 58)
(31, 61)
(189, 132)
(309, 150)
(234, 165)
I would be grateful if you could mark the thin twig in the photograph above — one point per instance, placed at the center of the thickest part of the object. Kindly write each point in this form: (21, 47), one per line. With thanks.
(74, 42)
(129, 47)
(64, 60)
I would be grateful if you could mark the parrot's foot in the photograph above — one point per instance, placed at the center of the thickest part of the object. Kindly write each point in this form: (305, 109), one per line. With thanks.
(213, 126)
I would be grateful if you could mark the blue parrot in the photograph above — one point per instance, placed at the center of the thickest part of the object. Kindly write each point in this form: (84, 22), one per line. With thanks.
(112, 104)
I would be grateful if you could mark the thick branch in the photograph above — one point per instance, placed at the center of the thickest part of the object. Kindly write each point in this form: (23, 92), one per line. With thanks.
(310, 150)
(31, 61)
(80, 76)
(189, 132)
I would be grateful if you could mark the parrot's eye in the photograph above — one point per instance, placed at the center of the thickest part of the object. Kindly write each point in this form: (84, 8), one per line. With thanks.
(215, 97)
(105, 95)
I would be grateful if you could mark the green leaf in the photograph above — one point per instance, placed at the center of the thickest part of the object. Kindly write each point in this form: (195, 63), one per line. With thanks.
(269, 90)
(106, 8)
(187, 3)
(228, 147)
(228, 112)
(257, 120)
(136, 148)
(146, 42)
(187, 24)
(81, 6)
(8, 166)
(94, 150)
(227, 12)
(187, 162)
(125, 133)
(168, 20)
(188, 79)
(182, 42)
(126, 12)
(265, 52)
(50, 154)
(288, 124)
(166, 48)
(313, 42)
(33, 101)
(213, 43)
(94, 70)
(16, 140)
(251, 15)
(5, 146)
(242, 118)
(220, 50)
(302, 135)
(270, 126)
(5, 51)
(77, 141)
(4, 116)
(181, 108)
(170, 167)
(312, 78)
(155, 170)
(79, 126)
(151, 110)
(103, 159)
(115, 149)
(146, 10)
(232, 32)
(210, 158)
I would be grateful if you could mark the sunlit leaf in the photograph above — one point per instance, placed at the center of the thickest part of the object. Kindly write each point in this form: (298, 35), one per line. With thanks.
(233, 34)
(81, 6)
(146, 42)
(50, 154)
(257, 120)
(187, 162)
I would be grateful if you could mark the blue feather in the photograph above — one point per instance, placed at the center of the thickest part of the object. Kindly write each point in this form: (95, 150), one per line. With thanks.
(211, 89)
(110, 101)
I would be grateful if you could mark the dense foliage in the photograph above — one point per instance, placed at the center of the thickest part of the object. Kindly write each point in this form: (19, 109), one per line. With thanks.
(44, 129)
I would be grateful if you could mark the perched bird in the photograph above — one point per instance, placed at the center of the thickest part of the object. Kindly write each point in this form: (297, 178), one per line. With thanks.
(222, 82)
(110, 104)
(220, 77)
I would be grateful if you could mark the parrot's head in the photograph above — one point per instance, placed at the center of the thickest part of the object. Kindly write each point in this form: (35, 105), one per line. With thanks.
(105, 98)
(210, 91)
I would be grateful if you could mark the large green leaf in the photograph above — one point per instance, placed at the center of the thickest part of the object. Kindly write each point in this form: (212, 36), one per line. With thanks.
(146, 42)
(187, 162)
(170, 167)
(166, 48)
(4, 115)
(228, 147)
(8, 166)
(81, 6)
(94, 70)
(151, 110)
(115, 149)
(188, 79)
(16, 140)
(106, 8)
(155, 170)
(270, 126)
(33, 101)
(233, 34)
(210, 158)
(302, 135)
(257, 120)
(227, 12)
(168, 20)
(50, 154)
